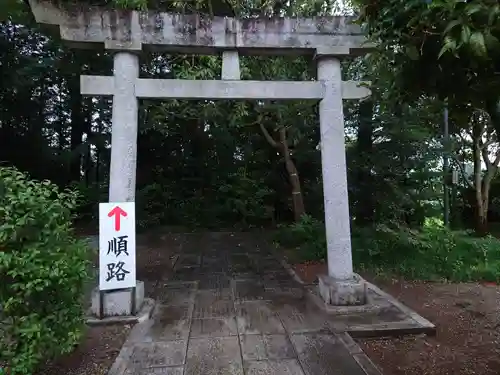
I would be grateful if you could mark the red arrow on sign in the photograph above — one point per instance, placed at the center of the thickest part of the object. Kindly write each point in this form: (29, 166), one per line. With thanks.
(117, 212)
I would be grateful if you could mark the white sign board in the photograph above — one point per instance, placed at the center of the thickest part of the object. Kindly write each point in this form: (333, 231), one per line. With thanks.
(116, 245)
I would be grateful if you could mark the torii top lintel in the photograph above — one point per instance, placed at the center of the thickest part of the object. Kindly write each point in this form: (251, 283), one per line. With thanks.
(134, 30)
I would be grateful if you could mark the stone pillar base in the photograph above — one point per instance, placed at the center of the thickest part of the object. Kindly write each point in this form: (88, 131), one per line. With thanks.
(118, 302)
(352, 292)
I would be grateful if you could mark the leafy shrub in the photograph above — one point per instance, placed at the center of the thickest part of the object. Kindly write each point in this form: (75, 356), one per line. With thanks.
(431, 253)
(89, 197)
(43, 270)
(242, 198)
(307, 237)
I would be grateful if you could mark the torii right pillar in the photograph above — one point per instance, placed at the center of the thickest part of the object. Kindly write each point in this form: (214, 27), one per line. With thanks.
(341, 287)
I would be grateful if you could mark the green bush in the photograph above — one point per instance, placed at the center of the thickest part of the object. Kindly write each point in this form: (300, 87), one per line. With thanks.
(43, 270)
(431, 253)
(306, 237)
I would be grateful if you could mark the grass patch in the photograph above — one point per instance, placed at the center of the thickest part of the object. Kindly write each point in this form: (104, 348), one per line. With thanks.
(431, 253)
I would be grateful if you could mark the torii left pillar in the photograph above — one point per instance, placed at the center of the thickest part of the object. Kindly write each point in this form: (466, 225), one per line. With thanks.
(123, 168)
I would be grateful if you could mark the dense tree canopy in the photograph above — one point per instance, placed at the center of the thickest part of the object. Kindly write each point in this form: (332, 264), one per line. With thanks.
(224, 162)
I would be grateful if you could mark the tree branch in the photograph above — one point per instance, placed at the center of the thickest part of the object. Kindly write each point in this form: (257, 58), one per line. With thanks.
(462, 170)
(497, 159)
(484, 153)
(488, 143)
(268, 137)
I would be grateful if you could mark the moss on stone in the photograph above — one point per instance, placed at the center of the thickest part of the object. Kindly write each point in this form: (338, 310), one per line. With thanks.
(120, 4)
(187, 6)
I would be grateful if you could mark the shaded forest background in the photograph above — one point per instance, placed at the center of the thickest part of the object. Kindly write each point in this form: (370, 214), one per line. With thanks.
(229, 164)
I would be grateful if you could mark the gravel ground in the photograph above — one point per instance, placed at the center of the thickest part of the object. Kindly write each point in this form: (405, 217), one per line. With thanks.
(467, 317)
(94, 356)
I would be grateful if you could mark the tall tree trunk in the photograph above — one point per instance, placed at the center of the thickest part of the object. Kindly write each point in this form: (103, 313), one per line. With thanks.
(293, 175)
(481, 215)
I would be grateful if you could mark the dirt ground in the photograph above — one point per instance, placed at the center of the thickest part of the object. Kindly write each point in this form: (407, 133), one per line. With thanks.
(467, 317)
(94, 356)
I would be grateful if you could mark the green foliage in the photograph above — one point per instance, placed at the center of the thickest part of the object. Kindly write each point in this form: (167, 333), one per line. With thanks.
(234, 199)
(243, 198)
(306, 238)
(446, 48)
(433, 253)
(224, 7)
(43, 270)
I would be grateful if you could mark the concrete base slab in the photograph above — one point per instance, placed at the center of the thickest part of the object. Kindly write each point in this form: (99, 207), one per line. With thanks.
(369, 307)
(382, 316)
(117, 302)
(143, 314)
(350, 292)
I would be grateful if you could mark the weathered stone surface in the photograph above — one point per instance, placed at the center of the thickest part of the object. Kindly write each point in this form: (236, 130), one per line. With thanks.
(261, 347)
(350, 292)
(282, 367)
(223, 89)
(213, 281)
(156, 371)
(171, 323)
(196, 33)
(142, 315)
(366, 364)
(188, 261)
(118, 302)
(257, 318)
(213, 356)
(324, 354)
(176, 296)
(186, 274)
(300, 316)
(334, 170)
(124, 119)
(248, 290)
(208, 305)
(160, 354)
(213, 327)
(230, 65)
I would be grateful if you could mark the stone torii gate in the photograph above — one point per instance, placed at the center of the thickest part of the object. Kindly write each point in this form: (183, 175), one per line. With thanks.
(127, 33)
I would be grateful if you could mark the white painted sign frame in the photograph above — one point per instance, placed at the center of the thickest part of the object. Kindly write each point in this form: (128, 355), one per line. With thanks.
(117, 246)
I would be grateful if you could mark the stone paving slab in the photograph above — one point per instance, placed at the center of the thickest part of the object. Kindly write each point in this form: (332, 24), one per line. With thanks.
(232, 308)
(255, 317)
(282, 367)
(323, 353)
(214, 356)
(214, 327)
(266, 347)
(158, 354)
(157, 371)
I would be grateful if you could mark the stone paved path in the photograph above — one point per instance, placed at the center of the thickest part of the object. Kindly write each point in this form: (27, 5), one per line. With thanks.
(231, 308)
